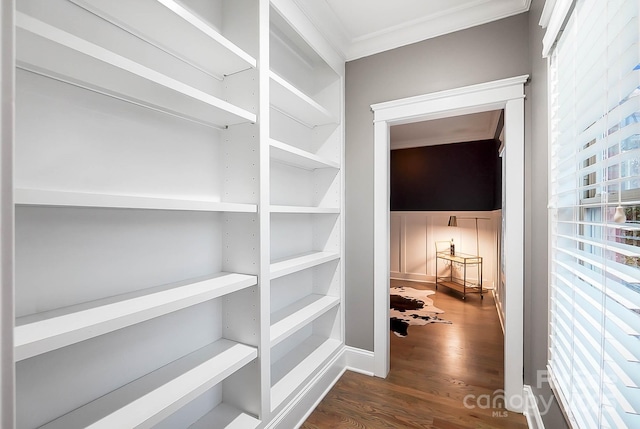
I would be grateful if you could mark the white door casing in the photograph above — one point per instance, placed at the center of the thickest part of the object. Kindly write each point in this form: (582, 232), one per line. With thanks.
(507, 94)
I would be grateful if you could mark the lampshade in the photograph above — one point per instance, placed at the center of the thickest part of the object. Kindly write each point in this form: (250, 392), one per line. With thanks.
(618, 217)
(453, 221)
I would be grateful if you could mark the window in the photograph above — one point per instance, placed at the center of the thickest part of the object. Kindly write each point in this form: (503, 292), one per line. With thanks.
(594, 344)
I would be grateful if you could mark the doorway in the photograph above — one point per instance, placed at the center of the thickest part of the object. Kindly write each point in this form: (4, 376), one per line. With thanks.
(507, 94)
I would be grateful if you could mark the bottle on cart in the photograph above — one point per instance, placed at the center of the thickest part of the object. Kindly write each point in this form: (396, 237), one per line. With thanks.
(452, 248)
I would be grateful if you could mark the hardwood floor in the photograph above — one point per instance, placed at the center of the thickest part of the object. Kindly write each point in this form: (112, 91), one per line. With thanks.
(435, 371)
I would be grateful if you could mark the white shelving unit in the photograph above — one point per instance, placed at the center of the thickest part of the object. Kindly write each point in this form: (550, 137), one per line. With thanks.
(226, 417)
(42, 197)
(136, 178)
(193, 39)
(303, 209)
(74, 60)
(149, 399)
(296, 367)
(44, 332)
(292, 101)
(301, 262)
(298, 315)
(178, 193)
(306, 320)
(296, 157)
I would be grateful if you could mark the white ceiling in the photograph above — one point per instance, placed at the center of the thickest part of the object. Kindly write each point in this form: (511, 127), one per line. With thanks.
(359, 28)
(456, 129)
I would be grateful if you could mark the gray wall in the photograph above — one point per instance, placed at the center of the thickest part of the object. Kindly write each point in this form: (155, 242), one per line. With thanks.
(489, 52)
(536, 217)
(502, 49)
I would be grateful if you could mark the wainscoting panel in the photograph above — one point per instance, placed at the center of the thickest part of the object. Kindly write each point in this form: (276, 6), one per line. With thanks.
(413, 237)
(396, 233)
(416, 239)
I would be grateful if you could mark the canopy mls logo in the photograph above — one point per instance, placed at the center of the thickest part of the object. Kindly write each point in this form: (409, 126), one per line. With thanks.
(498, 402)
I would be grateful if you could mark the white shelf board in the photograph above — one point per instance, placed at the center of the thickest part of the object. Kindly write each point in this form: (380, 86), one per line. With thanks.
(225, 416)
(298, 315)
(304, 209)
(43, 197)
(151, 398)
(47, 50)
(191, 39)
(51, 330)
(301, 262)
(292, 370)
(296, 104)
(291, 155)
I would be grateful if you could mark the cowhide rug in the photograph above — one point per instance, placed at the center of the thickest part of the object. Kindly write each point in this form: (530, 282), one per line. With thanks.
(412, 307)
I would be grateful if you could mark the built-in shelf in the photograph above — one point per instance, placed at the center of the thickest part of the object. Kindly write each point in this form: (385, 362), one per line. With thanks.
(306, 330)
(151, 398)
(42, 197)
(225, 416)
(47, 50)
(152, 70)
(304, 209)
(296, 104)
(51, 330)
(291, 155)
(289, 372)
(297, 263)
(298, 315)
(192, 38)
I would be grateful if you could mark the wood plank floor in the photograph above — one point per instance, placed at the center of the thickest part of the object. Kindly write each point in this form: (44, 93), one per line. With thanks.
(433, 370)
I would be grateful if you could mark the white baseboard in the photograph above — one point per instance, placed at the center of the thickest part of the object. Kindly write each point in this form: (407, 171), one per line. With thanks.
(531, 411)
(486, 284)
(409, 277)
(359, 360)
(294, 414)
(498, 309)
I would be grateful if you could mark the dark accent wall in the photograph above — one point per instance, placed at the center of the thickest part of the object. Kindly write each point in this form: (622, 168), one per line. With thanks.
(449, 177)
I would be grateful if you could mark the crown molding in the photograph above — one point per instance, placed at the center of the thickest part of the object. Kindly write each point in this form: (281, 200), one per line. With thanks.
(476, 13)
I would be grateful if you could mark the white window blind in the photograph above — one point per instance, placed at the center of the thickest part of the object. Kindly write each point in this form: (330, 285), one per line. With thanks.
(594, 355)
